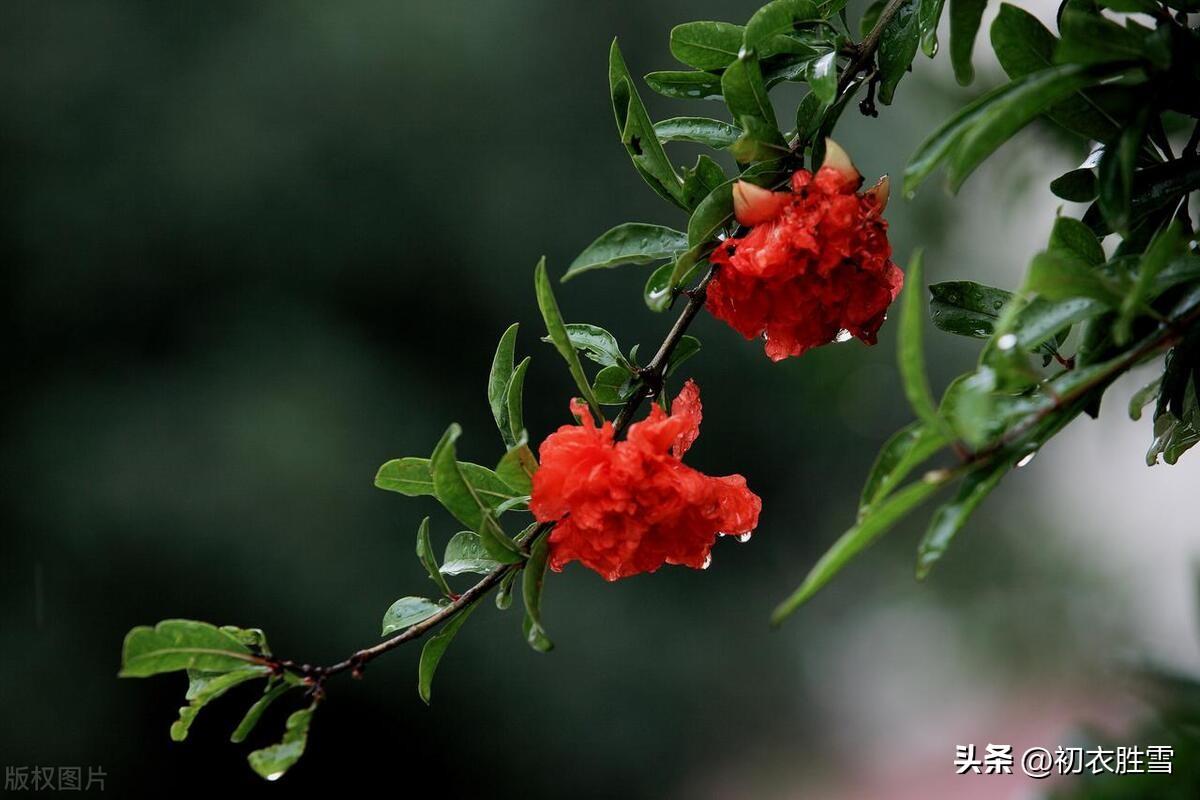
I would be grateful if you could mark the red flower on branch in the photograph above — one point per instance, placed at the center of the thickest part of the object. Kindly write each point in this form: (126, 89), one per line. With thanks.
(625, 507)
(816, 265)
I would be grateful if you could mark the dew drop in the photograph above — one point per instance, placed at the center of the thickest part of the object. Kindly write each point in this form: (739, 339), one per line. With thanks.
(745, 537)
(707, 562)
(999, 304)
(1007, 342)
(274, 776)
(1026, 459)
(843, 336)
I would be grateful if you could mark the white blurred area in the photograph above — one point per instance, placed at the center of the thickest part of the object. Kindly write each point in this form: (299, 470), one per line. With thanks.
(899, 680)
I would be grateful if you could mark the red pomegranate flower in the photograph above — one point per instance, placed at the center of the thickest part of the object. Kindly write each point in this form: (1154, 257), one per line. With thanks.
(626, 507)
(816, 265)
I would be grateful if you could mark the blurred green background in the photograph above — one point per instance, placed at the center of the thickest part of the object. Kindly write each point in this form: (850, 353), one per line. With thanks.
(253, 250)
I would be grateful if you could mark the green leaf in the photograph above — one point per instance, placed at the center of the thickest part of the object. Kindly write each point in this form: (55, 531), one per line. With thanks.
(498, 379)
(911, 346)
(595, 343)
(777, 17)
(966, 308)
(907, 449)
(1163, 248)
(255, 712)
(929, 13)
(408, 611)
(965, 16)
(614, 385)
(1059, 275)
(706, 45)
(409, 476)
(746, 94)
(465, 552)
(822, 76)
(428, 559)
(659, 289)
(210, 689)
(412, 476)
(516, 468)
(712, 216)
(949, 519)
(1072, 237)
(702, 179)
(686, 85)
(558, 333)
(630, 243)
(497, 543)
(700, 130)
(1023, 45)
(1009, 113)
(504, 591)
(759, 141)
(176, 644)
(637, 132)
(272, 762)
(435, 648)
(1041, 322)
(941, 143)
(459, 489)
(514, 402)
(1089, 38)
(897, 49)
(855, 540)
(687, 347)
(531, 590)
(1077, 186)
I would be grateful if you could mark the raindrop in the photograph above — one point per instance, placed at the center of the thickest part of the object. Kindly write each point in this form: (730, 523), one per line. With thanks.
(1026, 459)
(707, 562)
(745, 537)
(1007, 342)
(843, 336)
(274, 776)
(999, 304)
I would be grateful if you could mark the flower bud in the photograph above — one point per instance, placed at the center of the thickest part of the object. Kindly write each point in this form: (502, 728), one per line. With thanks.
(754, 205)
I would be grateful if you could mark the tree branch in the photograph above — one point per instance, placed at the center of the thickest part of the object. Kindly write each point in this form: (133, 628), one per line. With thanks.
(863, 57)
(652, 381)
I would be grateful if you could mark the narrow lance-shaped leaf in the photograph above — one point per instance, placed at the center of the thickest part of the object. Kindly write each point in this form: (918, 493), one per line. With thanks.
(630, 243)
(1114, 178)
(531, 590)
(949, 519)
(855, 540)
(907, 449)
(1011, 112)
(637, 132)
(558, 333)
(254, 713)
(897, 49)
(911, 349)
(595, 343)
(514, 402)
(1144, 397)
(435, 648)
(929, 13)
(746, 95)
(177, 644)
(686, 85)
(272, 762)
(427, 558)
(822, 76)
(409, 476)
(210, 690)
(699, 130)
(498, 378)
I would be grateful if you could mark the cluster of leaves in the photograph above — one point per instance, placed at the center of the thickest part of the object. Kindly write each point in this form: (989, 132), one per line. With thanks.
(1124, 87)
(216, 660)
(1122, 284)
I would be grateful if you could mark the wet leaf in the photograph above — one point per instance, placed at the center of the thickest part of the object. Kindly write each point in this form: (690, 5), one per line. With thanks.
(255, 712)
(465, 553)
(706, 45)
(408, 611)
(907, 449)
(949, 519)
(558, 333)
(700, 130)
(531, 590)
(177, 644)
(637, 132)
(686, 85)
(911, 348)
(897, 49)
(965, 17)
(498, 379)
(630, 243)
(210, 689)
(435, 648)
(272, 762)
